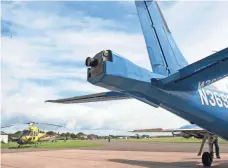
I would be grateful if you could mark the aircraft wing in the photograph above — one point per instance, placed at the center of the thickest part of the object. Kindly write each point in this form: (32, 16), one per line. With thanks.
(189, 132)
(198, 74)
(105, 96)
(185, 132)
(148, 130)
(168, 130)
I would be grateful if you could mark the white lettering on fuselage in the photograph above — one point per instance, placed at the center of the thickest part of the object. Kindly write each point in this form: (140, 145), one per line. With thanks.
(213, 98)
(208, 82)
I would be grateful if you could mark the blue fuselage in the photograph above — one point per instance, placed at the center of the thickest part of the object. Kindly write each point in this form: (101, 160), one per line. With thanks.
(208, 107)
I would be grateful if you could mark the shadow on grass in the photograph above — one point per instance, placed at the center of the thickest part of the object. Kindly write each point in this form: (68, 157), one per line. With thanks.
(184, 164)
(16, 147)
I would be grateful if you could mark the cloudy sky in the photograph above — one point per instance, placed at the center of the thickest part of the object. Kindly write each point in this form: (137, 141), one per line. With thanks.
(44, 45)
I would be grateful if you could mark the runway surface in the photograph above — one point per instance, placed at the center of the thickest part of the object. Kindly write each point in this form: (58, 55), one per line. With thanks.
(154, 146)
(103, 159)
(116, 154)
(118, 145)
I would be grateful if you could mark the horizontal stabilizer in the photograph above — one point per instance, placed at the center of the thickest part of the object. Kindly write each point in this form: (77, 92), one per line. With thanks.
(105, 96)
(186, 130)
(170, 130)
(148, 130)
(198, 74)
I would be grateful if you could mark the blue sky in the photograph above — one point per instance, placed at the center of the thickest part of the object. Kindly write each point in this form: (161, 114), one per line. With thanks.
(44, 59)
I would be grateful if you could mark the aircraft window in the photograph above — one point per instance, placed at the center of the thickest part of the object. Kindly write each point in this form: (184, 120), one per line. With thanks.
(26, 133)
(21, 134)
(31, 133)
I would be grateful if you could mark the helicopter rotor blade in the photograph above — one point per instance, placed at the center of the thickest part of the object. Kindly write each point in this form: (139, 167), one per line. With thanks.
(45, 124)
(56, 125)
(6, 126)
(51, 124)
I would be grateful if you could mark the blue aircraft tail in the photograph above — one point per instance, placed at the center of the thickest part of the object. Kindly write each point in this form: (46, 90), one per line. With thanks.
(165, 56)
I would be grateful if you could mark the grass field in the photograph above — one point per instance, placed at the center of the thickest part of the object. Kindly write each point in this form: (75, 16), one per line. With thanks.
(58, 144)
(172, 140)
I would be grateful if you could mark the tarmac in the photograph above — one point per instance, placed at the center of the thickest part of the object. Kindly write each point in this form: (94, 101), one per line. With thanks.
(116, 154)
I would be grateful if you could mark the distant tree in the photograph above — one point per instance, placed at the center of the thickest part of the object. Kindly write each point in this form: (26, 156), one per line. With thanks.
(137, 136)
(67, 134)
(80, 135)
(51, 133)
(73, 136)
(63, 134)
(17, 134)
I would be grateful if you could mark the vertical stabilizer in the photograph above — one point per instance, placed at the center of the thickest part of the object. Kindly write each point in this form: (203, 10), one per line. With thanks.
(165, 56)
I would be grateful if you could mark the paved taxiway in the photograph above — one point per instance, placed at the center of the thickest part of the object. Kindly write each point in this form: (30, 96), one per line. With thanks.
(134, 146)
(157, 155)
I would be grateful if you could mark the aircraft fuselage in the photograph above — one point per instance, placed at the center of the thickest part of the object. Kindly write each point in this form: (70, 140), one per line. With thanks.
(207, 107)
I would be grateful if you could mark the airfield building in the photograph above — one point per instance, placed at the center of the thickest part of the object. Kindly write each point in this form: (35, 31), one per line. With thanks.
(4, 137)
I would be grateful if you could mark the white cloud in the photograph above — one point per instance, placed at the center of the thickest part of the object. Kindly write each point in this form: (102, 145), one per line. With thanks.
(30, 57)
(198, 27)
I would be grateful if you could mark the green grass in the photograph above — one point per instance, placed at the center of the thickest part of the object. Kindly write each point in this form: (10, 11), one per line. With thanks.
(58, 144)
(172, 140)
(78, 143)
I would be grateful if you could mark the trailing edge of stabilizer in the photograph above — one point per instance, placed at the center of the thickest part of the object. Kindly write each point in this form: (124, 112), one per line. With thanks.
(197, 75)
(164, 54)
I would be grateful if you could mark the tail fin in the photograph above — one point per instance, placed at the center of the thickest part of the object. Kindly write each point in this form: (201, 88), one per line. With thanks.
(165, 56)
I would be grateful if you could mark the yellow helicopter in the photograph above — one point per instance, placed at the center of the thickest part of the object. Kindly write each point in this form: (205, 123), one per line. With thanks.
(32, 135)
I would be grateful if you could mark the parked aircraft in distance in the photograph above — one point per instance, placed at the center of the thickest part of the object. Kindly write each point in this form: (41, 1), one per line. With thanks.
(186, 131)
